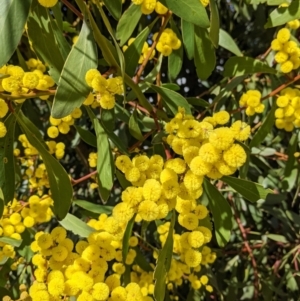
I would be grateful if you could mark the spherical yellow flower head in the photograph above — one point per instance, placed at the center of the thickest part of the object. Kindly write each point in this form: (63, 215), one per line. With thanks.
(235, 156)
(113, 281)
(200, 167)
(209, 153)
(56, 287)
(64, 128)
(286, 67)
(107, 101)
(148, 210)
(77, 113)
(276, 45)
(123, 212)
(90, 75)
(192, 181)
(177, 164)
(196, 239)
(11, 84)
(160, 8)
(241, 130)
(134, 292)
(3, 108)
(189, 153)
(170, 189)
(141, 162)
(157, 159)
(93, 159)
(100, 291)
(167, 42)
(152, 190)
(295, 24)
(221, 138)
(148, 6)
(283, 35)
(290, 47)
(45, 241)
(52, 131)
(189, 129)
(48, 3)
(281, 57)
(115, 85)
(132, 195)
(28, 221)
(30, 80)
(168, 174)
(214, 173)
(89, 100)
(99, 83)
(123, 163)
(188, 221)
(192, 258)
(206, 233)
(119, 293)
(3, 129)
(221, 117)
(200, 211)
(296, 102)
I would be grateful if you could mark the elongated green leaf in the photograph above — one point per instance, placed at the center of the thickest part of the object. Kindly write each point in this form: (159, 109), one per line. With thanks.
(86, 136)
(114, 7)
(72, 89)
(237, 66)
(244, 169)
(13, 14)
(76, 225)
(95, 208)
(1, 203)
(264, 129)
(127, 235)
(105, 162)
(134, 128)
(221, 211)
(292, 148)
(41, 34)
(175, 59)
(141, 261)
(11, 241)
(60, 184)
(248, 189)
(282, 15)
(277, 237)
(227, 42)
(204, 53)
(7, 160)
(133, 52)
(163, 264)
(188, 33)
(172, 99)
(214, 23)
(190, 10)
(128, 22)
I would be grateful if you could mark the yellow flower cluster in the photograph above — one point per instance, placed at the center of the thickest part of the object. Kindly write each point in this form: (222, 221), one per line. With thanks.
(47, 3)
(62, 125)
(3, 112)
(34, 64)
(20, 82)
(93, 159)
(145, 50)
(252, 101)
(208, 151)
(105, 88)
(56, 148)
(288, 113)
(149, 6)
(29, 150)
(287, 51)
(92, 101)
(167, 42)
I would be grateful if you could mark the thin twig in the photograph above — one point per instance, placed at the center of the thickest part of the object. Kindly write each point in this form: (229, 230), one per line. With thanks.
(86, 177)
(73, 9)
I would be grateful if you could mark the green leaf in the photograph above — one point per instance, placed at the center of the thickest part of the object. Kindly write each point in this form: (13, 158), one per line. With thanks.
(1, 203)
(86, 136)
(214, 23)
(133, 52)
(122, 180)
(264, 129)
(44, 43)
(128, 22)
(7, 160)
(126, 236)
(244, 169)
(292, 148)
(105, 162)
(221, 211)
(227, 42)
(198, 102)
(282, 15)
(11, 241)
(204, 53)
(141, 261)
(114, 7)
(236, 66)
(175, 59)
(277, 237)
(134, 128)
(190, 10)
(163, 264)
(60, 184)
(188, 33)
(72, 89)
(95, 208)
(13, 14)
(249, 190)
(172, 99)
(76, 225)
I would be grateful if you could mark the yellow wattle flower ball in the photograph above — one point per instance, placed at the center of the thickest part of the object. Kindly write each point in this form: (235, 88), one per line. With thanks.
(107, 101)
(281, 57)
(286, 67)
(283, 35)
(192, 258)
(48, 3)
(52, 132)
(235, 156)
(3, 108)
(148, 6)
(3, 129)
(30, 80)
(160, 8)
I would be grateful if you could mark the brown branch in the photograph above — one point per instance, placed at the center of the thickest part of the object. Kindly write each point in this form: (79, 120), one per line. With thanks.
(73, 9)
(138, 143)
(86, 177)
(247, 247)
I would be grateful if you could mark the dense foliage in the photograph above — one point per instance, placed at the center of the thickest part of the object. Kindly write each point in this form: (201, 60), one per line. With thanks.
(149, 150)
